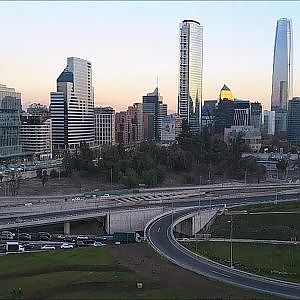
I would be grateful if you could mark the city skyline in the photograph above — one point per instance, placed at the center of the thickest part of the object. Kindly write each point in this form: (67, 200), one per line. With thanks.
(134, 66)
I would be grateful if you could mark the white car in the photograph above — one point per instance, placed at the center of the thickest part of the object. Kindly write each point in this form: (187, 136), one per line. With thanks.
(98, 244)
(105, 196)
(47, 247)
(82, 237)
(66, 246)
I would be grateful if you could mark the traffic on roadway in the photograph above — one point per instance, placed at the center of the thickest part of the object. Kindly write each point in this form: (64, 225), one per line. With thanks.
(33, 219)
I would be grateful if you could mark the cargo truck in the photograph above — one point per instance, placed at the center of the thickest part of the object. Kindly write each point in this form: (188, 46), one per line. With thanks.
(14, 247)
(126, 237)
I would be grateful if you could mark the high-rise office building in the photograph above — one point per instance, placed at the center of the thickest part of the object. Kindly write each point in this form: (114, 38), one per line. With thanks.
(72, 106)
(241, 115)
(121, 128)
(269, 122)
(293, 123)
(37, 109)
(130, 125)
(190, 73)
(282, 80)
(104, 126)
(209, 112)
(135, 123)
(226, 94)
(10, 108)
(154, 110)
(36, 135)
(256, 115)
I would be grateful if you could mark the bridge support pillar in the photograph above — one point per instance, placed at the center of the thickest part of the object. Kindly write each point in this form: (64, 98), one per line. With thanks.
(67, 228)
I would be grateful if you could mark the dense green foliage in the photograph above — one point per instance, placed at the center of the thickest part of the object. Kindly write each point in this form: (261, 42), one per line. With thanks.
(200, 158)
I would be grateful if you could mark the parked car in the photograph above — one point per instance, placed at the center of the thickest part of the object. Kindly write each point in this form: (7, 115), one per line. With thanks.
(82, 237)
(80, 244)
(105, 196)
(61, 237)
(24, 237)
(48, 247)
(98, 244)
(28, 247)
(7, 235)
(66, 246)
(44, 236)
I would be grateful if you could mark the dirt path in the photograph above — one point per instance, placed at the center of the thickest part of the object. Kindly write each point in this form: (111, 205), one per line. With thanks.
(142, 259)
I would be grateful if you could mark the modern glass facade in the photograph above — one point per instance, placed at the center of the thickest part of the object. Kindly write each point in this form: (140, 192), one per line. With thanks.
(190, 73)
(293, 123)
(282, 80)
(10, 108)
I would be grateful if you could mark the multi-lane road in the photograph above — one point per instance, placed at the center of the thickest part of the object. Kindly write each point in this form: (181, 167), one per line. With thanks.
(159, 234)
(8, 220)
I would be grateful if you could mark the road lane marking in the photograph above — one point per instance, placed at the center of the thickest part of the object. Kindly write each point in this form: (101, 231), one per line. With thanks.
(220, 274)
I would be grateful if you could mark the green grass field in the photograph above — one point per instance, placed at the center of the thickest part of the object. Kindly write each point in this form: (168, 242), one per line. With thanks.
(252, 226)
(82, 273)
(277, 261)
(280, 206)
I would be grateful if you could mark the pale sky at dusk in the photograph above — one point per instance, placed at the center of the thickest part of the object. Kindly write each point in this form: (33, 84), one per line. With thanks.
(131, 43)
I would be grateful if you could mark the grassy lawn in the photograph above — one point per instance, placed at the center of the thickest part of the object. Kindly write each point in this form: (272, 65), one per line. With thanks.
(277, 261)
(280, 206)
(267, 226)
(82, 273)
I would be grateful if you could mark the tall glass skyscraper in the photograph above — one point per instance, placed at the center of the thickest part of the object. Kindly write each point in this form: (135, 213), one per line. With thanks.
(10, 108)
(72, 106)
(190, 73)
(282, 80)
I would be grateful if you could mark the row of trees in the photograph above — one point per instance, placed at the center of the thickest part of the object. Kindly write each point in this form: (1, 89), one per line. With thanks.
(195, 157)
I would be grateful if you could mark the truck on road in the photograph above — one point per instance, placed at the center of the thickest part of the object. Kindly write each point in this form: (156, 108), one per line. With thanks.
(126, 237)
(14, 247)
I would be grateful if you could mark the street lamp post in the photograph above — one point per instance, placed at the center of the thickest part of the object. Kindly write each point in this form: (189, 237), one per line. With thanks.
(231, 248)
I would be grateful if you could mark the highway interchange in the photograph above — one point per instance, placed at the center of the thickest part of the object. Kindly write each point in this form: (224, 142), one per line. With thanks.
(160, 236)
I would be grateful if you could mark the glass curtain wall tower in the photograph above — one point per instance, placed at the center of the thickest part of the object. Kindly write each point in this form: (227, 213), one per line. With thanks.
(282, 79)
(190, 73)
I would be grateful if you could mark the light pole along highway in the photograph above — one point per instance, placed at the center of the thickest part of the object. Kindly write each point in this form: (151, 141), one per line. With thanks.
(159, 234)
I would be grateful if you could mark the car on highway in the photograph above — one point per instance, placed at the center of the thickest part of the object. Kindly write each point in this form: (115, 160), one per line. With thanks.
(66, 246)
(24, 237)
(28, 204)
(48, 247)
(98, 244)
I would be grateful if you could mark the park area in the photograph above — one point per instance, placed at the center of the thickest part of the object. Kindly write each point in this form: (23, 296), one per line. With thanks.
(110, 272)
